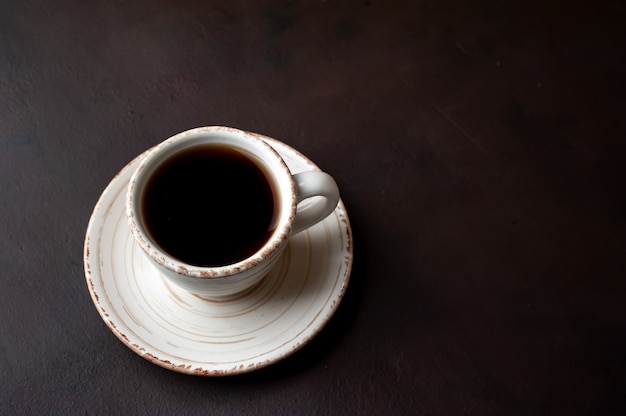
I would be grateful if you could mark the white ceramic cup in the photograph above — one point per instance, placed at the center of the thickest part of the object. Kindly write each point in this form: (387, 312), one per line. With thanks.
(232, 279)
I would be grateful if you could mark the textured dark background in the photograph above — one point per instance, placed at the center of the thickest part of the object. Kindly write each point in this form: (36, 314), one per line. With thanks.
(479, 147)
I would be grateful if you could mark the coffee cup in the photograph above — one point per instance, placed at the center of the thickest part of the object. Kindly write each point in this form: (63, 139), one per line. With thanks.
(213, 208)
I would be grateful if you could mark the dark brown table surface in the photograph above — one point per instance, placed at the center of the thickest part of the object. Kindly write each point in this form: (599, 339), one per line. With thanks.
(479, 148)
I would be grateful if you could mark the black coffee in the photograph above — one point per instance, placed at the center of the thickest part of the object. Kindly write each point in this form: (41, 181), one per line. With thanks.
(209, 206)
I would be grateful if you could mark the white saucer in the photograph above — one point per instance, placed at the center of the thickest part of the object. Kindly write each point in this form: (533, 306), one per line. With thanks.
(183, 332)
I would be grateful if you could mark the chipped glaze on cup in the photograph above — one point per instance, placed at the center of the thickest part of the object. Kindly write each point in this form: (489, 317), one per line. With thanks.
(234, 279)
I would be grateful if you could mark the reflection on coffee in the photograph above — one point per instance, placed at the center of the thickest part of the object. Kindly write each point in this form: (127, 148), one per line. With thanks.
(210, 205)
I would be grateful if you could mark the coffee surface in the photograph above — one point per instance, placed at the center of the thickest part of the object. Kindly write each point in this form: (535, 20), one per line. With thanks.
(209, 206)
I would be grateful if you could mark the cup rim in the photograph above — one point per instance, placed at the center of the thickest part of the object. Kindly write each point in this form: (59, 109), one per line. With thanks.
(279, 170)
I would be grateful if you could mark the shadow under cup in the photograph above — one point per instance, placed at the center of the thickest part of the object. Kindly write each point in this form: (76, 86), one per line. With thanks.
(213, 209)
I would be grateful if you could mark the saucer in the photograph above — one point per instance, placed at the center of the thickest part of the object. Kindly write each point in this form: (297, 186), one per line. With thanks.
(183, 332)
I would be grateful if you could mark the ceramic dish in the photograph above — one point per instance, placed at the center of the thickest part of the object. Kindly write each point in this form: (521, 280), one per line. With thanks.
(182, 331)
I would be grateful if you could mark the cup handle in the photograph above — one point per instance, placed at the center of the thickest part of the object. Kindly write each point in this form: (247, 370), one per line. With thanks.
(310, 184)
